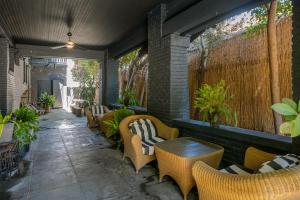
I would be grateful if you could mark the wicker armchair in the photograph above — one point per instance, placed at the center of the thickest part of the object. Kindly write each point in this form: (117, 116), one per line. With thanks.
(279, 185)
(132, 142)
(92, 121)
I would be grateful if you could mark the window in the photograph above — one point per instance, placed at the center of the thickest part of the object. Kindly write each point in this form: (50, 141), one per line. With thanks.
(11, 60)
(25, 71)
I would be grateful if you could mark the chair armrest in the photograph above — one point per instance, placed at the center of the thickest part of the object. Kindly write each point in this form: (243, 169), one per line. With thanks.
(165, 131)
(255, 157)
(106, 109)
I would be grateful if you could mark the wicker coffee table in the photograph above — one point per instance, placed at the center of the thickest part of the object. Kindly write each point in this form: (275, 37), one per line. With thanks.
(176, 157)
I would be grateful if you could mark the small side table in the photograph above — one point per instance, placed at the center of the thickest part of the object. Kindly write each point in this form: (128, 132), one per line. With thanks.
(176, 158)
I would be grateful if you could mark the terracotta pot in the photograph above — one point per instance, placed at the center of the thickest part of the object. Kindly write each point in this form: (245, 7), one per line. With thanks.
(47, 109)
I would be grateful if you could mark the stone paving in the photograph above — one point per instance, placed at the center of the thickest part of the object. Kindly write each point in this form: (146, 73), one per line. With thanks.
(69, 161)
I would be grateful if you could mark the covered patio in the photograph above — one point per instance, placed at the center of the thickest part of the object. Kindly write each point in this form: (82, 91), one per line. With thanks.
(72, 159)
(69, 161)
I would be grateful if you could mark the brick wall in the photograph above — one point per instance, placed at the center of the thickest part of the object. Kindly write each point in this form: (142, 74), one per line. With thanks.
(168, 70)
(296, 50)
(11, 81)
(4, 62)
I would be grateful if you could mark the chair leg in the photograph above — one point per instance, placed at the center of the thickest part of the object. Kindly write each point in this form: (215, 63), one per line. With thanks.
(160, 178)
(123, 158)
(137, 172)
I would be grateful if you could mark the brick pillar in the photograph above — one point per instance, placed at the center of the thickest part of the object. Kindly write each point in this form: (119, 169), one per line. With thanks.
(110, 83)
(4, 63)
(296, 50)
(168, 93)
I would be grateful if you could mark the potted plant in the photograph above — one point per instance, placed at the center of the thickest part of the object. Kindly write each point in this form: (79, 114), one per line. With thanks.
(128, 98)
(3, 120)
(113, 125)
(211, 100)
(290, 111)
(47, 101)
(26, 124)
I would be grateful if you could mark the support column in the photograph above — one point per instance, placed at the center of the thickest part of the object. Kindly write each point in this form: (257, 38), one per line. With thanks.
(168, 93)
(296, 50)
(110, 83)
(4, 63)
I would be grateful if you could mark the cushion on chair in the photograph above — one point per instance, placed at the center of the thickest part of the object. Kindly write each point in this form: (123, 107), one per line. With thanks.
(237, 169)
(146, 130)
(97, 110)
(279, 162)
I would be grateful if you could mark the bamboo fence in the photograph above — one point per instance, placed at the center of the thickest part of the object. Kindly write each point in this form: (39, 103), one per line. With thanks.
(243, 63)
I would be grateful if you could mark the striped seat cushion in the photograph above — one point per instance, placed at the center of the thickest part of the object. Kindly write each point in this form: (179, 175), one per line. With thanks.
(279, 162)
(97, 110)
(146, 130)
(237, 169)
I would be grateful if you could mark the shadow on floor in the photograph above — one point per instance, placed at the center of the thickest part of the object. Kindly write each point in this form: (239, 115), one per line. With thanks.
(69, 161)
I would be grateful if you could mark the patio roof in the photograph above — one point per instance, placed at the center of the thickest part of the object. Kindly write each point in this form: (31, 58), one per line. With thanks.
(97, 25)
(94, 24)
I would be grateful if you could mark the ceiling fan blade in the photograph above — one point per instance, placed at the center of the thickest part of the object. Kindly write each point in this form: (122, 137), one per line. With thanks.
(80, 47)
(58, 47)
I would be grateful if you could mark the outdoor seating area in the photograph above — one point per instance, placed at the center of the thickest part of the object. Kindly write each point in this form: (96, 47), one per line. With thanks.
(150, 100)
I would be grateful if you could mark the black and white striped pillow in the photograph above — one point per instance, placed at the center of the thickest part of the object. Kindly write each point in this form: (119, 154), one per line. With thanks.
(146, 130)
(237, 169)
(97, 110)
(279, 162)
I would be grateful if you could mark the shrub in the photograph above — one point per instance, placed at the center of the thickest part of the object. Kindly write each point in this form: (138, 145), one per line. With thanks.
(212, 103)
(113, 125)
(128, 98)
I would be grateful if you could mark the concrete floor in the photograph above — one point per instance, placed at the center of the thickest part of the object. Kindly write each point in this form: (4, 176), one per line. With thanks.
(69, 161)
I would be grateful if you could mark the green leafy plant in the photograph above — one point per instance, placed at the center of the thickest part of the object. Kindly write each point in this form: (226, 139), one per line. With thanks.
(113, 125)
(26, 114)
(4, 120)
(26, 124)
(85, 72)
(128, 98)
(290, 111)
(24, 132)
(47, 100)
(212, 103)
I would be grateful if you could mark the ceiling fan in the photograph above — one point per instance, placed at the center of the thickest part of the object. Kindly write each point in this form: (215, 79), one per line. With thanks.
(69, 44)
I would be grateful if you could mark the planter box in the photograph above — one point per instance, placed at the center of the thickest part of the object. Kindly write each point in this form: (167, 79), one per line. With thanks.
(235, 140)
(7, 134)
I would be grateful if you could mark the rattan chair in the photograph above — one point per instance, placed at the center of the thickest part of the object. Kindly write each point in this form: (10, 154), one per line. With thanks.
(92, 121)
(279, 185)
(132, 142)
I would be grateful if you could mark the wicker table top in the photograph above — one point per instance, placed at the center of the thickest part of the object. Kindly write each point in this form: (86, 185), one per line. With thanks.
(188, 147)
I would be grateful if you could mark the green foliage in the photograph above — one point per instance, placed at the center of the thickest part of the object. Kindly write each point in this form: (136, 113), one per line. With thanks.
(26, 114)
(26, 123)
(259, 15)
(113, 125)
(85, 73)
(24, 132)
(128, 98)
(291, 114)
(127, 59)
(47, 100)
(212, 103)
(4, 120)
